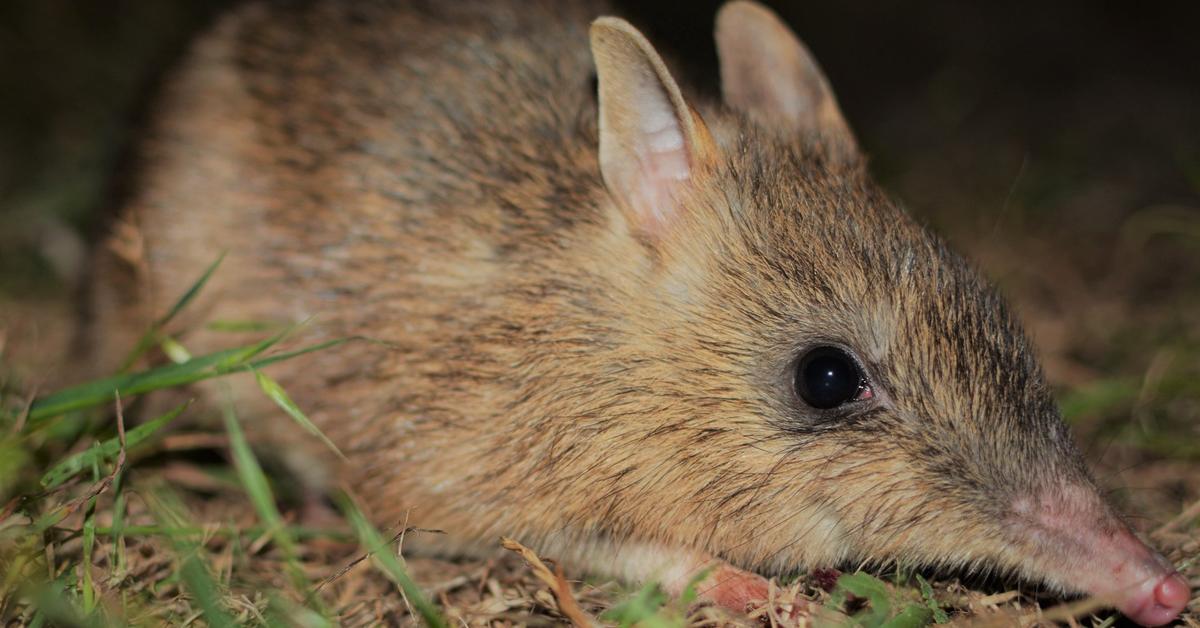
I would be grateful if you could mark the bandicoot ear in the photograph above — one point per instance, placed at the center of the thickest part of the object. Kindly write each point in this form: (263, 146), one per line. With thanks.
(652, 143)
(768, 74)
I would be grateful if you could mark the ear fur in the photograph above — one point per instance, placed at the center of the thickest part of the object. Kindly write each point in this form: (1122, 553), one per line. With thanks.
(768, 74)
(652, 143)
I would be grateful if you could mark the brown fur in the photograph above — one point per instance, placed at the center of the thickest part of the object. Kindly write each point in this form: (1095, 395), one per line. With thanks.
(428, 177)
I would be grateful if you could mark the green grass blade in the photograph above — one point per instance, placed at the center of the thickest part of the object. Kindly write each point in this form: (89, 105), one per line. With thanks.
(939, 615)
(284, 613)
(89, 544)
(259, 489)
(642, 608)
(255, 480)
(243, 326)
(148, 339)
(201, 584)
(169, 376)
(72, 465)
(193, 573)
(691, 591)
(14, 457)
(373, 542)
(191, 293)
(287, 355)
(58, 608)
(119, 562)
(272, 389)
(241, 356)
(101, 391)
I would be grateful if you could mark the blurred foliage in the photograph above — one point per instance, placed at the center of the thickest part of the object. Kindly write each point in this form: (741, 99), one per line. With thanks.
(75, 78)
(75, 75)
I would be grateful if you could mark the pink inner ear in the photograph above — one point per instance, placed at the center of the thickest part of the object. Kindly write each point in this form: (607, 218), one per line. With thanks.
(662, 164)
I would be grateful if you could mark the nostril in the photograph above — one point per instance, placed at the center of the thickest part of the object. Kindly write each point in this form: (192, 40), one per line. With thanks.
(1172, 593)
(1163, 604)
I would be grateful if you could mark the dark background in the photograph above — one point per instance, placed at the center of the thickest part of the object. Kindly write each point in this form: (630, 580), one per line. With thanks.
(972, 112)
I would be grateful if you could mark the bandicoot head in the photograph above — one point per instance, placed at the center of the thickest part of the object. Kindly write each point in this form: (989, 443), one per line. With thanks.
(871, 397)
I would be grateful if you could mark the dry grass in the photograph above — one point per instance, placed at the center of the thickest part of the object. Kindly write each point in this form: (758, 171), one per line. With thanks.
(135, 576)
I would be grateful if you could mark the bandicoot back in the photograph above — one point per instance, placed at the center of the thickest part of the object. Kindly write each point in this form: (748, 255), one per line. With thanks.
(643, 332)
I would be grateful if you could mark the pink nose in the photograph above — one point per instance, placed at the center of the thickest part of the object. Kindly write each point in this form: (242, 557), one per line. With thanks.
(1161, 604)
(1101, 556)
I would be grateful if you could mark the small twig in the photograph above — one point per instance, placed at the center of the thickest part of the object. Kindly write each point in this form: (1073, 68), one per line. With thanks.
(193, 440)
(399, 541)
(23, 416)
(395, 537)
(9, 508)
(1151, 381)
(556, 581)
(99, 487)
(772, 607)
(1064, 612)
(997, 599)
(449, 585)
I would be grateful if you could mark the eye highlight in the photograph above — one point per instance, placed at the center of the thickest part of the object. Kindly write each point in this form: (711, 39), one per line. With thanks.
(828, 377)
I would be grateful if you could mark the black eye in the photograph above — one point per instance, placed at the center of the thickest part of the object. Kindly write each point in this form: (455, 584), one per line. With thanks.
(828, 377)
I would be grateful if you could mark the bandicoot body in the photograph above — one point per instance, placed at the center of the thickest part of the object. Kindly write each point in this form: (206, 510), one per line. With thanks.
(642, 332)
